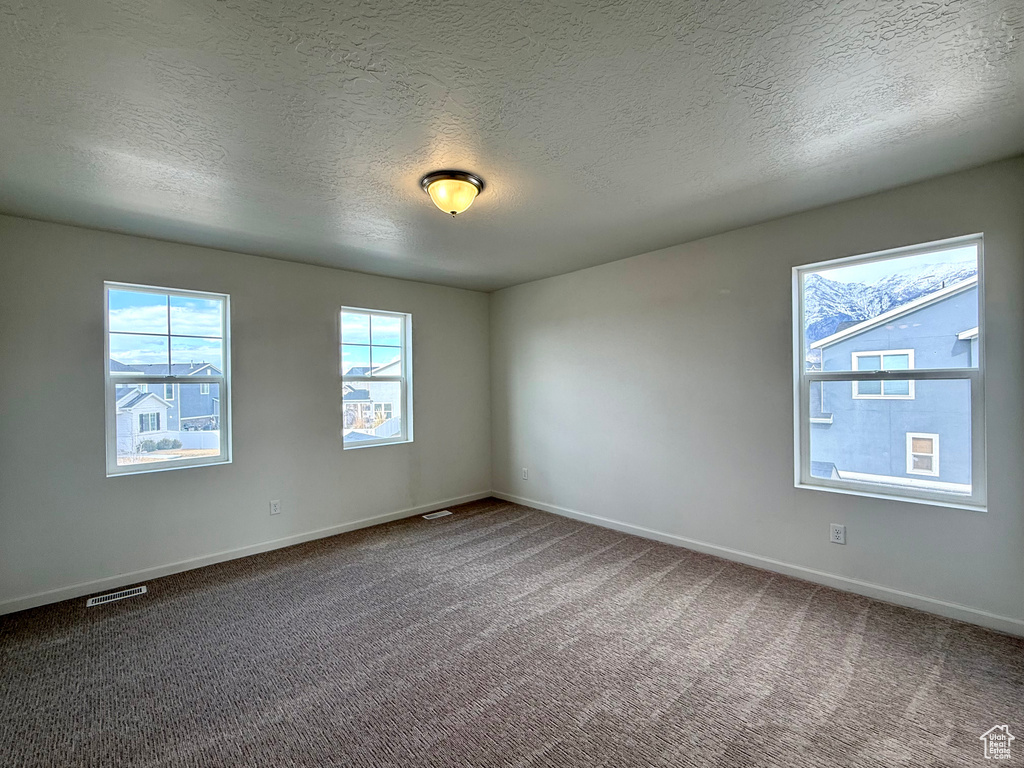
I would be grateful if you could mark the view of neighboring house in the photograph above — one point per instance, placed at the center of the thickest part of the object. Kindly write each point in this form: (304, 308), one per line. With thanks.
(910, 433)
(373, 409)
(158, 411)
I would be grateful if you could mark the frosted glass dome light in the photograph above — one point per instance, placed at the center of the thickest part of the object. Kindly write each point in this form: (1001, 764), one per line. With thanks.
(452, 191)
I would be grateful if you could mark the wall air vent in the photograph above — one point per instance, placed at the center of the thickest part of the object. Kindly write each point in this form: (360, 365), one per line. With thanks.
(112, 596)
(435, 515)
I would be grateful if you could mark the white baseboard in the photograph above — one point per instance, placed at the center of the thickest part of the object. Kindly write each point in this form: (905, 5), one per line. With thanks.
(920, 602)
(124, 579)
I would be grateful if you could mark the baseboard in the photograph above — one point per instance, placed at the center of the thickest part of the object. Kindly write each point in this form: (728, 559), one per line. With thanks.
(124, 579)
(887, 594)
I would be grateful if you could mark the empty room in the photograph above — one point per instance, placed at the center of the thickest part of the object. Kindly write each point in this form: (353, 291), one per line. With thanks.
(418, 384)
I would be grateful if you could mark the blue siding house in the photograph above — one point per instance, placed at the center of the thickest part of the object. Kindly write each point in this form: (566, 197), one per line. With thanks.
(180, 406)
(909, 433)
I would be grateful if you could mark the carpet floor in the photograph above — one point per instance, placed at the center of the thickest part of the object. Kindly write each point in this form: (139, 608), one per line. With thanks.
(498, 636)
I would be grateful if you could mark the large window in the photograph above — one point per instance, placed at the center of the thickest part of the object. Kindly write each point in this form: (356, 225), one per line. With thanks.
(167, 378)
(889, 363)
(376, 377)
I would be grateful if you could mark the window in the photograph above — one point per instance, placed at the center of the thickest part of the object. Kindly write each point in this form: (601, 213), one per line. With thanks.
(172, 343)
(922, 454)
(376, 377)
(886, 360)
(888, 357)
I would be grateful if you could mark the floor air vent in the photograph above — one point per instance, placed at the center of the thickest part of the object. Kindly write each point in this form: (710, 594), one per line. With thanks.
(435, 515)
(111, 597)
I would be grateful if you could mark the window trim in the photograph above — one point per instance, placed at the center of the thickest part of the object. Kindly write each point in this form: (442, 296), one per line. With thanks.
(111, 382)
(405, 379)
(934, 472)
(880, 353)
(204, 388)
(977, 499)
(169, 397)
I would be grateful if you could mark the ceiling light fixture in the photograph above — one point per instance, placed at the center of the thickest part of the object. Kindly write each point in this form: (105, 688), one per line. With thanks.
(452, 191)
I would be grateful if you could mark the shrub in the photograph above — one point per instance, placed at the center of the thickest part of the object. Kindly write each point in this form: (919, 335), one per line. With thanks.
(167, 443)
(147, 445)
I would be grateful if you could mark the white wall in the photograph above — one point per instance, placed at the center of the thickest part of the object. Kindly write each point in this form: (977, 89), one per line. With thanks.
(64, 523)
(691, 346)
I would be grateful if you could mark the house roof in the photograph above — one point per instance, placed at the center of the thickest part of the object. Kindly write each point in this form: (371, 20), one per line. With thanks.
(892, 314)
(177, 369)
(134, 396)
(970, 333)
(360, 436)
(350, 394)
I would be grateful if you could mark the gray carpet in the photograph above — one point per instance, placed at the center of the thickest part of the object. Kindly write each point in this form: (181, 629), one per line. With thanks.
(499, 636)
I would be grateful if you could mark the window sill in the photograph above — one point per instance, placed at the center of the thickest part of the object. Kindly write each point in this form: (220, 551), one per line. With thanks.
(893, 497)
(149, 471)
(373, 444)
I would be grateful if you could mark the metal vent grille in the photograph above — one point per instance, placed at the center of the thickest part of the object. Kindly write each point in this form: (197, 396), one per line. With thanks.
(112, 596)
(435, 515)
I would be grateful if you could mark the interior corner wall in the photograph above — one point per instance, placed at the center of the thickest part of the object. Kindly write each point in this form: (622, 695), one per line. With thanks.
(655, 394)
(67, 529)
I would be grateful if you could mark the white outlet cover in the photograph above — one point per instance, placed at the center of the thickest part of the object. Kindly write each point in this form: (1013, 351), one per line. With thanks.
(275, 507)
(837, 534)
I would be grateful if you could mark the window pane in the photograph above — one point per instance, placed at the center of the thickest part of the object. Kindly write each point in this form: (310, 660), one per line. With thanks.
(152, 430)
(132, 353)
(355, 328)
(188, 356)
(382, 360)
(869, 387)
(387, 331)
(896, 362)
(897, 388)
(371, 411)
(355, 360)
(136, 312)
(927, 302)
(923, 463)
(921, 445)
(194, 316)
(866, 440)
(869, 363)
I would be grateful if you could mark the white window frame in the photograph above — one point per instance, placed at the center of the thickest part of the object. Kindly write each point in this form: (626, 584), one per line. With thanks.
(922, 493)
(404, 379)
(114, 379)
(169, 387)
(911, 436)
(204, 388)
(855, 363)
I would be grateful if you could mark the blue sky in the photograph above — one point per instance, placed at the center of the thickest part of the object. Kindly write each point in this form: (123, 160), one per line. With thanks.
(195, 323)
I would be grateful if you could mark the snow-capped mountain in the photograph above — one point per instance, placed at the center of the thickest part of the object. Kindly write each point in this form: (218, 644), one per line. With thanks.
(827, 303)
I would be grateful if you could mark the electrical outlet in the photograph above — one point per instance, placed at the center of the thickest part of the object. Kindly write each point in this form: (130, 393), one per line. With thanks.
(275, 507)
(526, 474)
(837, 534)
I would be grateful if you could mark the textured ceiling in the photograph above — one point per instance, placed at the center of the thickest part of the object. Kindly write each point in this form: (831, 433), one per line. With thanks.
(603, 129)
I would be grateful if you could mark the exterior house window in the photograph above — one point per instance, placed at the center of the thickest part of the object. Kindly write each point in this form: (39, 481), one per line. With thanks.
(885, 360)
(149, 422)
(888, 356)
(922, 454)
(376, 377)
(164, 348)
